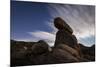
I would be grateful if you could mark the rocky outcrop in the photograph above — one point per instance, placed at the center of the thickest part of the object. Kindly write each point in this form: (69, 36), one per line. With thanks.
(65, 50)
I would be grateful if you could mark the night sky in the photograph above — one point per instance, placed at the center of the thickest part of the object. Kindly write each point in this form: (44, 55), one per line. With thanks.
(33, 21)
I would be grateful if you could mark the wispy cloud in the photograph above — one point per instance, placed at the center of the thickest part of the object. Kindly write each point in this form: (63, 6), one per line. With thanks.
(43, 35)
(80, 17)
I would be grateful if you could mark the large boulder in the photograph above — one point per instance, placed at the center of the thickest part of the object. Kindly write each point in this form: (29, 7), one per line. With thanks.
(69, 49)
(40, 47)
(61, 24)
(60, 55)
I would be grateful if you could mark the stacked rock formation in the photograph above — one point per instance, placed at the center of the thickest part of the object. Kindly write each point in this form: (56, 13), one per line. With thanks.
(65, 39)
(64, 34)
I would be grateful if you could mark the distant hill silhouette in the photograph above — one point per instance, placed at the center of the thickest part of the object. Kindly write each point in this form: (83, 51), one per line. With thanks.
(88, 52)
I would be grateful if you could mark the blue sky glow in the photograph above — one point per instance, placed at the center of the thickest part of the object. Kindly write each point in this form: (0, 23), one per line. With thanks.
(33, 21)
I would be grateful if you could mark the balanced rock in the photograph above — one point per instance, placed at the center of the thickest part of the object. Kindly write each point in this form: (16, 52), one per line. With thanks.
(61, 24)
(64, 35)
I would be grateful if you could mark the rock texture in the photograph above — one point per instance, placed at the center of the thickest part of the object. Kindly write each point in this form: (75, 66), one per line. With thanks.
(63, 37)
(40, 47)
